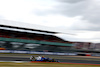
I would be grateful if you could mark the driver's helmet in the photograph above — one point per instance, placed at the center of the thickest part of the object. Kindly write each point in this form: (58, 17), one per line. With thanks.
(42, 56)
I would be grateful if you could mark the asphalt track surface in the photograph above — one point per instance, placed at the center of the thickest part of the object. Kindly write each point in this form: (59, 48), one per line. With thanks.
(61, 60)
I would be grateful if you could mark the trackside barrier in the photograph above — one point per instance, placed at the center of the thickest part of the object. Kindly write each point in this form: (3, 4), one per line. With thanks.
(33, 52)
(84, 54)
(96, 54)
(5, 51)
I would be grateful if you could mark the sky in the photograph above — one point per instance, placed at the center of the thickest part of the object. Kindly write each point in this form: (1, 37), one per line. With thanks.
(81, 17)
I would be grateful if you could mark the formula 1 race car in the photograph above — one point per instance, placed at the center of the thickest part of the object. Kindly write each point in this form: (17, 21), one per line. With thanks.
(43, 59)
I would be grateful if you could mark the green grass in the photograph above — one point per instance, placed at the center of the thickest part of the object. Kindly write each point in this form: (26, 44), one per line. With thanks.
(27, 64)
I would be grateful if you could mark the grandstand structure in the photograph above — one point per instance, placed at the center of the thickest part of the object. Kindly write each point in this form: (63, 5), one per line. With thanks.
(86, 47)
(23, 36)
